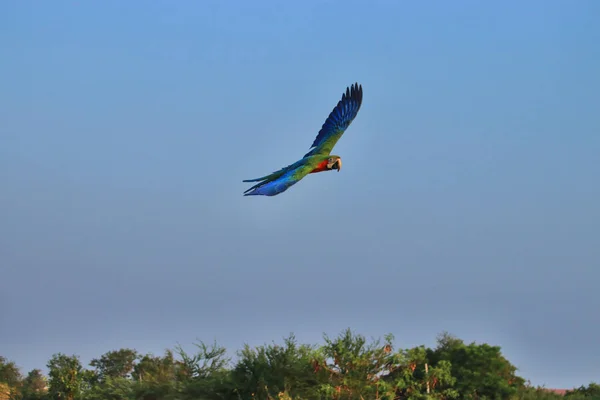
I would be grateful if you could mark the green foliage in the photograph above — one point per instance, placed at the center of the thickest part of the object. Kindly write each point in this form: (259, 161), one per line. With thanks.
(34, 386)
(115, 364)
(9, 373)
(266, 371)
(537, 393)
(156, 377)
(118, 388)
(66, 377)
(10, 380)
(592, 391)
(204, 375)
(480, 370)
(347, 367)
(207, 361)
(353, 367)
(412, 376)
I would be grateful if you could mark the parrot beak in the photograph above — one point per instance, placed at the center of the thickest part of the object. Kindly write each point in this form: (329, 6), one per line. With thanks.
(339, 164)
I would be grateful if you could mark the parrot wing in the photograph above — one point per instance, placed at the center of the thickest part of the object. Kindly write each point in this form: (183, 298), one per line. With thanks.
(279, 181)
(338, 121)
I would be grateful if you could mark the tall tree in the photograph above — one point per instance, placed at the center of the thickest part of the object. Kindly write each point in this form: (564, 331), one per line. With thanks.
(265, 371)
(66, 376)
(206, 361)
(481, 371)
(155, 377)
(412, 376)
(353, 367)
(35, 385)
(115, 364)
(204, 375)
(9, 372)
(155, 368)
(10, 378)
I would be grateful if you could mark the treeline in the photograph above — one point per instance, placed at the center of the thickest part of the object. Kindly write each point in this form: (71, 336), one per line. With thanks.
(345, 367)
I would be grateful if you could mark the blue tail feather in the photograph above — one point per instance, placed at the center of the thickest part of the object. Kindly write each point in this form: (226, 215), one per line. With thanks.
(272, 188)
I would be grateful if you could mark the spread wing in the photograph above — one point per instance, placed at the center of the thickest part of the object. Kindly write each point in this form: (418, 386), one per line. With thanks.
(338, 121)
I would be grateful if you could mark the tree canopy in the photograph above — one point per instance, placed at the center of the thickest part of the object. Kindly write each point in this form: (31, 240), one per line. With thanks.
(346, 367)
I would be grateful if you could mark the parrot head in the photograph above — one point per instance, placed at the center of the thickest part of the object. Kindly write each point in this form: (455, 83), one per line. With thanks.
(334, 162)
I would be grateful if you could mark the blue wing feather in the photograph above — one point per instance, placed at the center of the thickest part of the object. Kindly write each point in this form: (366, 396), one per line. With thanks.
(338, 120)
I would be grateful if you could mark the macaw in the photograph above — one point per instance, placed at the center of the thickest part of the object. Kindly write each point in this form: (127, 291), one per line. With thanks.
(318, 159)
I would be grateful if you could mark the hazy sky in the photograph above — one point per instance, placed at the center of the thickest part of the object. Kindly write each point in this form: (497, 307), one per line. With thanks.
(469, 200)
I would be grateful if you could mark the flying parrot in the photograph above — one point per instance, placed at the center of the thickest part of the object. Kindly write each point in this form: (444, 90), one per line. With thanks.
(318, 159)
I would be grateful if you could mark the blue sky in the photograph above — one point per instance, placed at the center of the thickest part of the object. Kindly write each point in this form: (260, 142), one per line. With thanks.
(468, 202)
